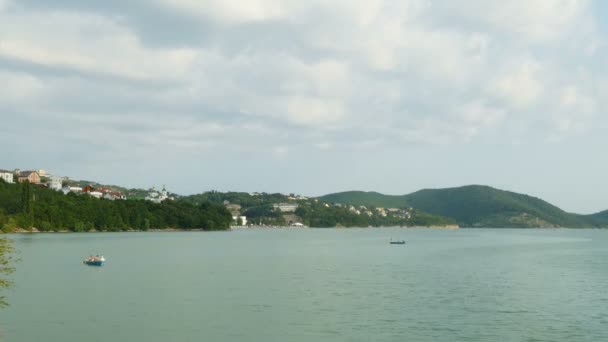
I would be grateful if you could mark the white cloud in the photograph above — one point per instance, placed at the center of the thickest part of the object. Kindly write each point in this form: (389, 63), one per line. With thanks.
(574, 110)
(429, 69)
(19, 88)
(315, 112)
(231, 11)
(519, 85)
(536, 21)
(88, 43)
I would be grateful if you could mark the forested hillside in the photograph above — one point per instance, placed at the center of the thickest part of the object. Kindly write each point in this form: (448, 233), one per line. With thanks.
(26, 206)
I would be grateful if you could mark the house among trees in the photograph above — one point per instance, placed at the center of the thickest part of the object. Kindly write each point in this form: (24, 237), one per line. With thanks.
(104, 192)
(30, 176)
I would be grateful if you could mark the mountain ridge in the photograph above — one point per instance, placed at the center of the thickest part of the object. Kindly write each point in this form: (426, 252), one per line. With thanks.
(477, 206)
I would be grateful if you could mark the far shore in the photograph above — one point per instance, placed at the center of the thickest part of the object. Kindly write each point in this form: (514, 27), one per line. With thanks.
(37, 231)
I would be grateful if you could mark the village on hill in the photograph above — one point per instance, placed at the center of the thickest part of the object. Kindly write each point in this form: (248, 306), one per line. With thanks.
(42, 178)
(247, 209)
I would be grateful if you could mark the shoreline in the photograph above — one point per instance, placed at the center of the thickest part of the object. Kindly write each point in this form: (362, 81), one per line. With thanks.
(241, 228)
(232, 228)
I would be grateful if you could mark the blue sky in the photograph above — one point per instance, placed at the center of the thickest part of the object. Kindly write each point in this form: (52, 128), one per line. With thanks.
(310, 97)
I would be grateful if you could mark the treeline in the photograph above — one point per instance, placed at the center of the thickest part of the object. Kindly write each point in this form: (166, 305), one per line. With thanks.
(244, 199)
(26, 206)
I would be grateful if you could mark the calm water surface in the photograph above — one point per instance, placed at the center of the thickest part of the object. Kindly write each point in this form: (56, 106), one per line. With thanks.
(312, 285)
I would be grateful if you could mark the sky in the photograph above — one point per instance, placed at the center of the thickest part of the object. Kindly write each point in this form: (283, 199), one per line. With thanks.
(310, 97)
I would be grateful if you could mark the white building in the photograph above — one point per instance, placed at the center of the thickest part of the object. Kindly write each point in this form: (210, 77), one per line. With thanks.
(286, 207)
(74, 189)
(95, 194)
(156, 196)
(243, 220)
(55, 183)
(6, 176)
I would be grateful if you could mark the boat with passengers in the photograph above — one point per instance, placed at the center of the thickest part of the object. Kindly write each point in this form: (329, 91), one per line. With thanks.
(95, 260)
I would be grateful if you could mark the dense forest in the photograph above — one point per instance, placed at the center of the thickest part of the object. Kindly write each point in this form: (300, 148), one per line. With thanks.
(479, 206)
(246, 200)
(25, 206)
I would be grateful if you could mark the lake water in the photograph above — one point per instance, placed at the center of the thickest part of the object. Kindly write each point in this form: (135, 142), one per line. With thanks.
(312, 285)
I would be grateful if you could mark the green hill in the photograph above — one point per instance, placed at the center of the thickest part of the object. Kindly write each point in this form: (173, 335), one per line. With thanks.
(358, 198)
(478, 206)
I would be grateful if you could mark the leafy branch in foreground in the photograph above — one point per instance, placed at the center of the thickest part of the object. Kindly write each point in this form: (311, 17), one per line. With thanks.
(7, 258)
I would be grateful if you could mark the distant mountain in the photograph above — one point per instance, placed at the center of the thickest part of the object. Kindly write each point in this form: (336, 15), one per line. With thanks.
(477, 206)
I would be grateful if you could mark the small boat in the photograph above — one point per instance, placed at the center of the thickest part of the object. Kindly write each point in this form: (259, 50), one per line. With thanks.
(97, 260)
(399, 242)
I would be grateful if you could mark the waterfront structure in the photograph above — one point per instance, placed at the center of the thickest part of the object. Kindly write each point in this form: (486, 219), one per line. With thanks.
(236, 218)
(6, 176)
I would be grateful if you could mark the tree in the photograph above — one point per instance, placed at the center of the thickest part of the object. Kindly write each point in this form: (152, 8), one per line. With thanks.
(6, 260)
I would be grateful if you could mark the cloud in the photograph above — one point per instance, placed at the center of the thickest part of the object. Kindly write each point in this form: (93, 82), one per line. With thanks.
(519, 85)
(315, 73)
(538, 21)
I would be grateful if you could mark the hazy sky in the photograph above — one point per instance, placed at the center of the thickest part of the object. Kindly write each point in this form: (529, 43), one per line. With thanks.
(310, 96)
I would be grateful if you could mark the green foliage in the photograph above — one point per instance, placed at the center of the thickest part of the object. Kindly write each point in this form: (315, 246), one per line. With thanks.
(264, 214)
(317, 214)
(7, 252)
(483, 206)
(246, 200)
(25, 206)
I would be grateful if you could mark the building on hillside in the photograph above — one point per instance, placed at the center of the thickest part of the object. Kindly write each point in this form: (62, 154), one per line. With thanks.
(114, 195)
(6, 176)
(95, 194)
(29, 176)
(158, 196)
(286, 207)
(235, 211)
(233, 207)
(73, 189)
(56, 183)
(104, 192)
(88, 188)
